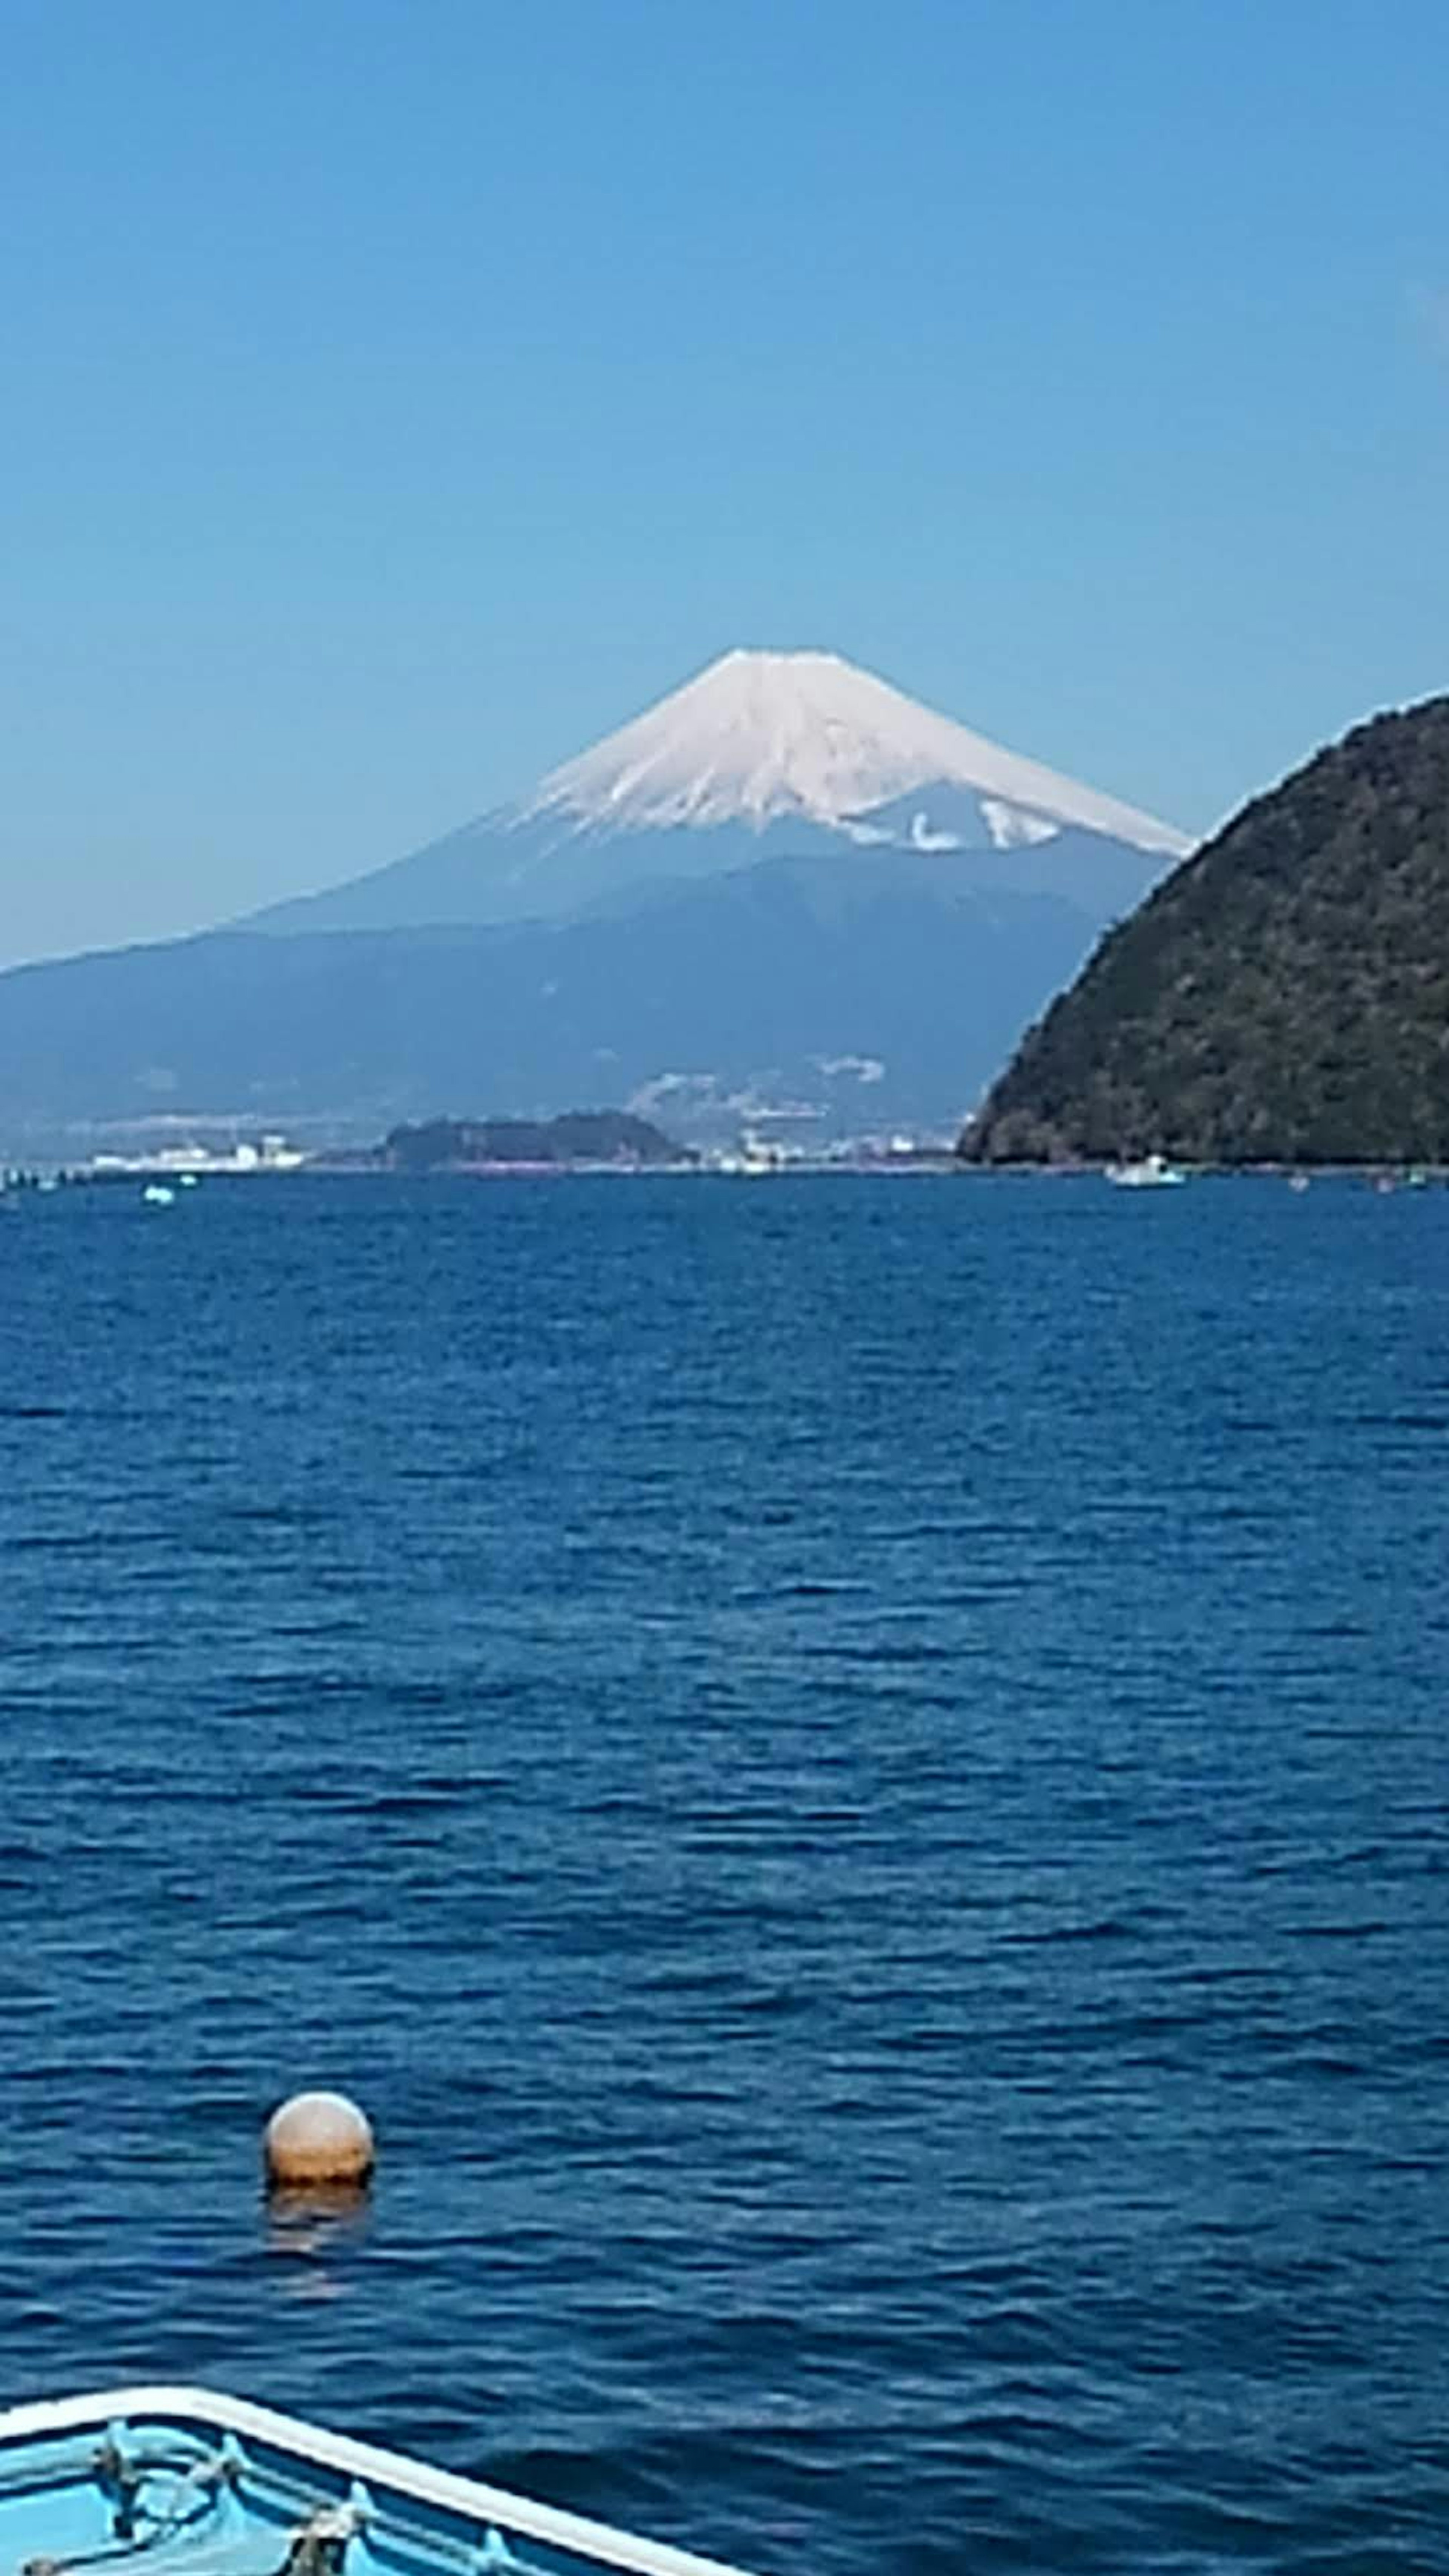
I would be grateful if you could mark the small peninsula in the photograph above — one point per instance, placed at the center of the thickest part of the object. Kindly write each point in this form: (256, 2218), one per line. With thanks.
(591, 1138)
(1282, 997)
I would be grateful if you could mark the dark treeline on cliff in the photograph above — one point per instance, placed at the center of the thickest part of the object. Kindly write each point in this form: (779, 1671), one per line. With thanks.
(1282, 997)
(579, 1136)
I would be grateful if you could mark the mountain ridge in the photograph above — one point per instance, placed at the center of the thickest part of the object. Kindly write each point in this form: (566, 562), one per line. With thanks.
(695, 911)
(759, 755)
(818, 983)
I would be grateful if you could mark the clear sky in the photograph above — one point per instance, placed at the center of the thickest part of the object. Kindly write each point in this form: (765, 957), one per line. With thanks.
(398, 393)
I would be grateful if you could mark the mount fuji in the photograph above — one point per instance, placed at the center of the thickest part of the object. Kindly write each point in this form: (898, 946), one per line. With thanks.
(786, 892)
(761, 756)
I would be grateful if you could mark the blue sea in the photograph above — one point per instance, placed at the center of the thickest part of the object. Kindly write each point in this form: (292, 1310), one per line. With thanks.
(855, 1774)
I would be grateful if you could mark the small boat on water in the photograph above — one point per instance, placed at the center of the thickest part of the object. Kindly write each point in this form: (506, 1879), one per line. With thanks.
(1153, 1172)
(206, 2485)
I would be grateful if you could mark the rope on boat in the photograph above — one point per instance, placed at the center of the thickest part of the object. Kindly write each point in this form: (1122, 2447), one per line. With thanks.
(319, 2545)
(315, 2547)
(199, 2484)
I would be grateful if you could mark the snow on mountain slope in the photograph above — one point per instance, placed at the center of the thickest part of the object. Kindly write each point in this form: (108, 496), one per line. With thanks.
(763, 755)
(781, 874)
(761, 737)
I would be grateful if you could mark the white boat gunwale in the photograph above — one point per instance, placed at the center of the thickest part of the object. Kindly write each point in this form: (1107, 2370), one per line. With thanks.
(443, 2490)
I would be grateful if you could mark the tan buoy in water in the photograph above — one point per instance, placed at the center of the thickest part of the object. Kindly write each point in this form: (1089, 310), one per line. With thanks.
(318, 2138)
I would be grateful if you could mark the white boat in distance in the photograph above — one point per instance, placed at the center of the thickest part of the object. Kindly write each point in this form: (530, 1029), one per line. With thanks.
(1153, 1172)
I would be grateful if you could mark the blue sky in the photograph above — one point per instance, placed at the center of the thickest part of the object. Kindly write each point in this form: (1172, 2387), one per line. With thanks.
(398, 393)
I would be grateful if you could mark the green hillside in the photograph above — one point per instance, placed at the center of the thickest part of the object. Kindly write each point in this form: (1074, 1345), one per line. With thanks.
(1283, 996)
(579, 1136)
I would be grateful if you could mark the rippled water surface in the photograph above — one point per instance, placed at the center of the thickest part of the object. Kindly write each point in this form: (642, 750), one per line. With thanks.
(856, 1774)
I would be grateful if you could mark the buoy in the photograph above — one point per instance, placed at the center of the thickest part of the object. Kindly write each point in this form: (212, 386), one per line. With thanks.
(318, 2138)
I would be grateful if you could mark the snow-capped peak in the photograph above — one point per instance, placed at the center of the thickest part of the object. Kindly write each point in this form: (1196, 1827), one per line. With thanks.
(766, 737)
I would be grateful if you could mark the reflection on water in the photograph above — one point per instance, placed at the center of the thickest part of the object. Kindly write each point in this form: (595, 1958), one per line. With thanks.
(317, 2226)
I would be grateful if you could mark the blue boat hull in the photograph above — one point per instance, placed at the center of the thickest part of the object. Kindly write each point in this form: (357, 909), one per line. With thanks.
(200, 2484)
